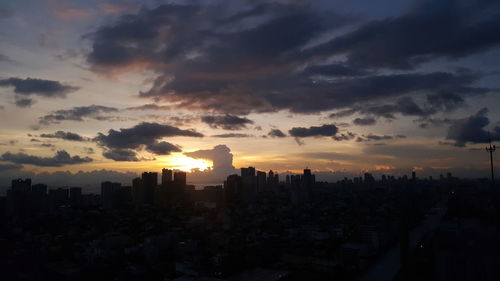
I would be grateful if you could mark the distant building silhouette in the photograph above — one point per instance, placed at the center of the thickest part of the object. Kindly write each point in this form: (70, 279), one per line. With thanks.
(150, 182)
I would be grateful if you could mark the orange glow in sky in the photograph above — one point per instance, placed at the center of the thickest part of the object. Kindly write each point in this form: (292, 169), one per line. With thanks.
(186, 164)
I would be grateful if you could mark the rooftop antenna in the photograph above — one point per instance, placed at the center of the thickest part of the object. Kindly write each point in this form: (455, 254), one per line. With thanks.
(491, 149)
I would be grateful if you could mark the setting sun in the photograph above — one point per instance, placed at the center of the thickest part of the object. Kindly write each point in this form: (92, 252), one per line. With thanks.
(186, 164)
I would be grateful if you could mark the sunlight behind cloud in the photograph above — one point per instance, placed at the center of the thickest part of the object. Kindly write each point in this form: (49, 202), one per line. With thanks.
(184, 163)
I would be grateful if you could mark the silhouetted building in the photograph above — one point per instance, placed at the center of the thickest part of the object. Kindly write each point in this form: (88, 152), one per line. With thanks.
(232, 186)
(166, 177)
(180, 178)
(137, 191)
(368, 178)
(108, 194)
(261, 181)
(75, 196)
(150, 182)
(20, 185)
(247, 172)
(39, 189)
(59, 197)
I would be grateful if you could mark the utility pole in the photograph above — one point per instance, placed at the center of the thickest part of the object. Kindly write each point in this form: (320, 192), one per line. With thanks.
(491, 149)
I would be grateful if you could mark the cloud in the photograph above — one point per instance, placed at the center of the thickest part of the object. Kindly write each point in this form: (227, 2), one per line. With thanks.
(232, 135)
(4, 58)
(372, 137)
(276, 133)
(79, 113)
(24, 102)
(314, 131)
(39, 87)
(221, 157)
(364, 121)
(88, 150)
(8, 166)
(121, 155)
(150, 106)
(335, 70)
(406, 106)
(226, 122)
(90, 181)
(264, 57)
(123, 142)
(344, 136)
(445, 29)
(60, 159)
(162, 148)
(6, 11)
(65, 136)
(471, 129)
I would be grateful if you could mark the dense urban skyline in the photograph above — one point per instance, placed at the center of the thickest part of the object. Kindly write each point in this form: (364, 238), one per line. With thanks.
(211, 86)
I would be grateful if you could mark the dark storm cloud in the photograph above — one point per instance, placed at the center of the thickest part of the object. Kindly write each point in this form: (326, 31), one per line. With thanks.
(65, 136)
(150, 106)
(79, 113)
(435, 122)
(24, 102)
(226, 122)
(337, 70)
(276, 133)
(4, 58)
(141, 134)
(121, 155)
(445, 101)
(364, 121)
(372, 137)
(344, 136)
(314, 131)
(7, 167)
(471, 129)
(60, 159)
(121, 143)
(40, 87)
(432, 29)
(405, 106)
(162, 148)
(232, 135)
(261, 59)
(6, 11)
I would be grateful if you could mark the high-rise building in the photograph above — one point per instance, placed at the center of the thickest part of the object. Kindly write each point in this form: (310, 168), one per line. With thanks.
(180, 178)
(149, 181)
(39, 189)
(75, 196)
(20, 185)
(166, 177)
(137, 191)
(232, 186)
(58, 197)
(248, 172)
(108, 194)
(261, 181)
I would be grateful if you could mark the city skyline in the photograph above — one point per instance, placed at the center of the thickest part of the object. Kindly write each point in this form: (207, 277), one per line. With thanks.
(209, 87)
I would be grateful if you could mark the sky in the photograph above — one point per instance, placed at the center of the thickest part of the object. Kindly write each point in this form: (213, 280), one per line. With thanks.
(94, 90)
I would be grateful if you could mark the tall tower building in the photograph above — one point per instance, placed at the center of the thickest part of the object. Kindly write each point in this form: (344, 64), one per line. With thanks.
(137, 191)
(149, 181)
(166, 177)
(180, 178)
